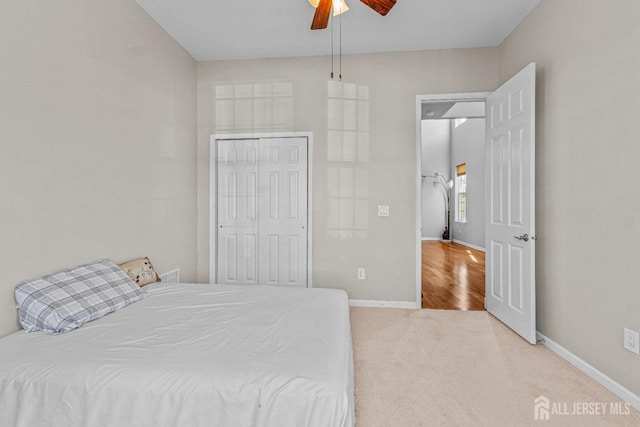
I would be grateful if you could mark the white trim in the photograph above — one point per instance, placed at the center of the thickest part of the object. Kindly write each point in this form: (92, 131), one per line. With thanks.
(212, 207)
(460, 242)
(213, 187)
(309, 136)
(431, 238)
(614, 387)
(464, 96)
(418, 248)
(385, 304)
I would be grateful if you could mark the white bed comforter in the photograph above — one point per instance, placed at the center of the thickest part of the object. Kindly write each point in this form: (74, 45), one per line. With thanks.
(189, 355)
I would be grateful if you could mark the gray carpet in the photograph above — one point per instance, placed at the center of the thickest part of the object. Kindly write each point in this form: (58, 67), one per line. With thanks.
(459, 368)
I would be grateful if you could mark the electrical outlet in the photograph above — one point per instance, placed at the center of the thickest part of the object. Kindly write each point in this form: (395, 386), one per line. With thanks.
(631, 341)
(383, 210)
(362, 274)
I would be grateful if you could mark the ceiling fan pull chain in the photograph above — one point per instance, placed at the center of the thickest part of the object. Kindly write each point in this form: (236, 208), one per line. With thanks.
(340, 51)
(331, 52)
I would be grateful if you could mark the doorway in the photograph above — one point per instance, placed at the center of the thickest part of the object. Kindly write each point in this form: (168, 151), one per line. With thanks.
(452, 165)
(260, 209)
(509, 199)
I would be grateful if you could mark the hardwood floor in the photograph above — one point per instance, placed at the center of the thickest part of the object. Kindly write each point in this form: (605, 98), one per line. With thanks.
(452, 276)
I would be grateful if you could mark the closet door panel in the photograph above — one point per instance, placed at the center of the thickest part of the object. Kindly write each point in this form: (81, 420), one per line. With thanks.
(237, 211)
(283, 198)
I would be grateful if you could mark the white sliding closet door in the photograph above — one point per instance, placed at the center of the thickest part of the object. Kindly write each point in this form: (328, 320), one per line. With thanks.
(237, 202)
(283, 212)
(262, 211)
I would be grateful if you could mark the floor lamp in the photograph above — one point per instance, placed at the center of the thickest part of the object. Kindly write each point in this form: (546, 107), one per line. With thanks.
(447, 185)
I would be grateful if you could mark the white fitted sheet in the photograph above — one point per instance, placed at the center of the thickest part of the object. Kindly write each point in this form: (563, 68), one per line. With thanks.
(189, 355)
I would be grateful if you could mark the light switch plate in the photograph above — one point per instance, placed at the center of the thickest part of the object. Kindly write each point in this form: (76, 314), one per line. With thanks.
(383, 210)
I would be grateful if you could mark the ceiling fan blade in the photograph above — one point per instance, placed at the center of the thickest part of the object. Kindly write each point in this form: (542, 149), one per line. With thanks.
(381, 6)
(321, 17)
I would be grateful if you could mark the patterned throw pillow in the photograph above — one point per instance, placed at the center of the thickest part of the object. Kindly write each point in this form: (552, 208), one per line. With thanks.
(141, 271)
(66, 300)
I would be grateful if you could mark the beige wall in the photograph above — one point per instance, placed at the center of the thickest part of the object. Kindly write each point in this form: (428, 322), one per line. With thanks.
(588, 146)
(343, 187)
(97, 141)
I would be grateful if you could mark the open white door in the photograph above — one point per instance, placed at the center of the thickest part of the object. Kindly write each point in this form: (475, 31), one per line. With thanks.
(510, 293)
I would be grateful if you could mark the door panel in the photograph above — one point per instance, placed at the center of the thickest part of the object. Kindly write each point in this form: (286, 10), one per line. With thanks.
(250, 258)
(516, 191)
(494, 260)
(230, 249)
(516, 281)
(294, 182)
(270, 259)
(496, 181)
(293, 249)
(273, 195)
(510, 161)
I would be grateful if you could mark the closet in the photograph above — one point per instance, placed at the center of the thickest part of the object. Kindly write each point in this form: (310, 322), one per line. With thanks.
(260, 212)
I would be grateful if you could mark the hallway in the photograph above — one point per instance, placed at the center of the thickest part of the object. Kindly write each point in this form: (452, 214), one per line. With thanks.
(452, 276)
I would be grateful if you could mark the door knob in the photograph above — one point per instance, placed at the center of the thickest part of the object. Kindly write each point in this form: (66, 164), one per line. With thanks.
(524, 237)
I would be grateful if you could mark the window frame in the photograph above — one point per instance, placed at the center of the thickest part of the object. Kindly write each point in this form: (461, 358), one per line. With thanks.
(461, 181)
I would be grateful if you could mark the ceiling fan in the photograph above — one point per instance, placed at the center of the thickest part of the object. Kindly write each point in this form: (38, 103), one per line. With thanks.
(323, 10)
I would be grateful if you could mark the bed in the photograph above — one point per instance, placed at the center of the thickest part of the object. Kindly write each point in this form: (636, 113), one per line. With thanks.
(189, 355)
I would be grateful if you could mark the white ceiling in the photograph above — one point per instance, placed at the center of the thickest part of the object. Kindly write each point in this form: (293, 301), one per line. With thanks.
(242, 29)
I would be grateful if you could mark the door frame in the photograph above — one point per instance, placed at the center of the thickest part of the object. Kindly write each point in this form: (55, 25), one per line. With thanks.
(213, 192)
(462, 96)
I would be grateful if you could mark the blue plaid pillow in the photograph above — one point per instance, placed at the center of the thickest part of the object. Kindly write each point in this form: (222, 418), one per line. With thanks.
(66, 300)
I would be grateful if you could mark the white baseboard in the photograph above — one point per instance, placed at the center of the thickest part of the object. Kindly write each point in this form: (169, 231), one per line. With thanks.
(384, 304)
(431, 238)
(608, 383)
(478, 248)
